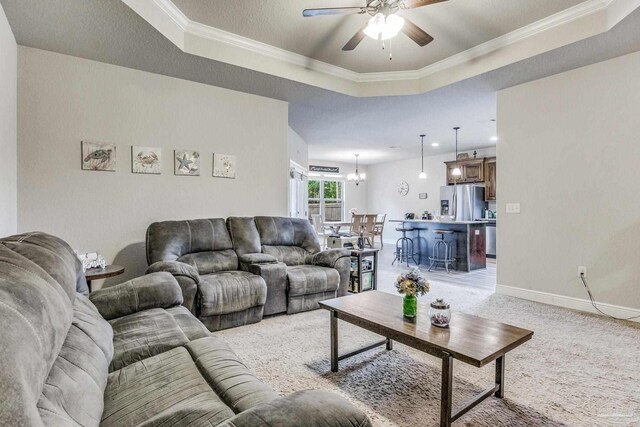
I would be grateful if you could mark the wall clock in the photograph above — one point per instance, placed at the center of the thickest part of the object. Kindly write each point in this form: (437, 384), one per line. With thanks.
(403, 188)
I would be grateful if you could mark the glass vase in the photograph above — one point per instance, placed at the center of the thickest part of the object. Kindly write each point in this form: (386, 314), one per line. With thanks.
(410, 306)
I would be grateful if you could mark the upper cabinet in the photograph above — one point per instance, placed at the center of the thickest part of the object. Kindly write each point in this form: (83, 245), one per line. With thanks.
(490, 181)
(475, 171)
(472, 171)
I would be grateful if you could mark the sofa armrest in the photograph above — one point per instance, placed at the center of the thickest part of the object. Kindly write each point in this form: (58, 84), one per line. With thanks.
(248, 260)
(275, 276)
(187, 277)
(155, 290)
(310, 408)
(258, 258)
(176, 268)
(327, 258)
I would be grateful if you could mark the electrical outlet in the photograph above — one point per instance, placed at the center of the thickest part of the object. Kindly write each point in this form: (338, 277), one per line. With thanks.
(513, 208)
(582, 270)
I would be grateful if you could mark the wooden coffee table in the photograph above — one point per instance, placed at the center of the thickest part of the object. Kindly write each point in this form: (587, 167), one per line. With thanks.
(470, 339)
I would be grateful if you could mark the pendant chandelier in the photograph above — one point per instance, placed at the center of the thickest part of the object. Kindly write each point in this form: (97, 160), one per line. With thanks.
(357, 177)
(423, 174)
(456, 171)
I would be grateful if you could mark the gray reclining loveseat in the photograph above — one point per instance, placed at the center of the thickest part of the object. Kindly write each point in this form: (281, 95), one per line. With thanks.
(233, 273)
(130, 355)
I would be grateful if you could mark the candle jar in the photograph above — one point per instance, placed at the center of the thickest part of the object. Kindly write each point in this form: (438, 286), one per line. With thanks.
(440, 313)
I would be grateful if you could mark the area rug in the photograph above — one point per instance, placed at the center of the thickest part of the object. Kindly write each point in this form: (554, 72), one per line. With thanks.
(578, 370)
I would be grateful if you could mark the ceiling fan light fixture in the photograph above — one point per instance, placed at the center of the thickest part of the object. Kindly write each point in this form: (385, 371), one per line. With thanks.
(381, 27)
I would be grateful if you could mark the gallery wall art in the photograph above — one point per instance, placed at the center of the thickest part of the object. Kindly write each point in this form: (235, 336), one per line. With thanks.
(224, 166)
(146, 160)
(98, 156)
(187, 162)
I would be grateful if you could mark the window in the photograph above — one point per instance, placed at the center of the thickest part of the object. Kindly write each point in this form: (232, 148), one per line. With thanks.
(326, 197)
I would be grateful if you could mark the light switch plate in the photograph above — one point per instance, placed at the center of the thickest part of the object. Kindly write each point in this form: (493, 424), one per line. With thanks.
(513, 208)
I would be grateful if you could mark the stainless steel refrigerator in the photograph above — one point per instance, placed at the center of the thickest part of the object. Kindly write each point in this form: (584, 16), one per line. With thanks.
(465, 202)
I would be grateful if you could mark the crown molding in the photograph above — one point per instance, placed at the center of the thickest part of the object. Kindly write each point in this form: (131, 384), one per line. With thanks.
(581, 21)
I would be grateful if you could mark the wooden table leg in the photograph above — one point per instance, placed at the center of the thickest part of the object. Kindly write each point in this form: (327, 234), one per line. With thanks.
(500, 377)
(334, 341)
(446, 392)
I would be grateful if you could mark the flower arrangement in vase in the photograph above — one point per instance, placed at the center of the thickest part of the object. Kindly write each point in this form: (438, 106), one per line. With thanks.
(410, 284)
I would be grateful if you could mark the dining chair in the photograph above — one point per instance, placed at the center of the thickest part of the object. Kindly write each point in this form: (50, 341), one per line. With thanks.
(357, 222)
(321, 230)
(369, 228)
(379, 227)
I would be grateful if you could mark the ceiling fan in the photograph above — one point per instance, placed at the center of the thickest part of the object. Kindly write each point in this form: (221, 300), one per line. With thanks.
(384, 23)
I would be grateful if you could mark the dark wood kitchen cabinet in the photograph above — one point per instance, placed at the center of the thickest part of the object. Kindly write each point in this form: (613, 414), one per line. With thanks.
(490, 181)
(472, 171)
(480, 171)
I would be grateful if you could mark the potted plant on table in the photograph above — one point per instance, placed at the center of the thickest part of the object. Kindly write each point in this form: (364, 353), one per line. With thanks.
(410, 284)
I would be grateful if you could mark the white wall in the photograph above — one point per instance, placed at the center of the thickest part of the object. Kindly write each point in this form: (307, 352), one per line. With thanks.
(569, 151)
(384, 178)
(8, 128)
(298, 148)
(355, 196)
(64, 100)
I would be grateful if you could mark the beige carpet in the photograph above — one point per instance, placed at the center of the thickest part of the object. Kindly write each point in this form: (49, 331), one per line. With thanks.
(578, 370)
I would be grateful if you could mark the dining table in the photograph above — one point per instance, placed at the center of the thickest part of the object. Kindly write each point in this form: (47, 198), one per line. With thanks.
(335, 226)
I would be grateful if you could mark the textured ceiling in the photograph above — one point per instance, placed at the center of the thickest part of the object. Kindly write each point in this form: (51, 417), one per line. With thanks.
(334, 125)
(456, 25)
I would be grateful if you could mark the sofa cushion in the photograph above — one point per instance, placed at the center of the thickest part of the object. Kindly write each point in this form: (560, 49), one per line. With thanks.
(312, 279)
(73, 393)
(144, 334)
(232, 381)
(35, 316)
(169, 240)
(244, 235)
(167, 389)
(188, 323)
(87, 318)
(230, 292)
(290, 255)
(52, 254)
(212, 261)
(281, 231)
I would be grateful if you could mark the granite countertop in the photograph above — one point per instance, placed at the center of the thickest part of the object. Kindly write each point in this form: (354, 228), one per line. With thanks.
(435, 221)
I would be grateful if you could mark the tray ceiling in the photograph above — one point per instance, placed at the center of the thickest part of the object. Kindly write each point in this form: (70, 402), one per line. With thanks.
(473, 37)
(456, 25)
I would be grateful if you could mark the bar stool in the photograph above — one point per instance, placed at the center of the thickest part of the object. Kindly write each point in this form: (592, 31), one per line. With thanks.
(438, 246)
(404, 247)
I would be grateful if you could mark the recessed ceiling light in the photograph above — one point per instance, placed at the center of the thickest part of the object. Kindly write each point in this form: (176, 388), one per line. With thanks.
(494, 138)
(435, 144)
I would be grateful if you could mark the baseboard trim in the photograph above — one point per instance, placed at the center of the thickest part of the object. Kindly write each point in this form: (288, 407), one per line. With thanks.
(568, 302)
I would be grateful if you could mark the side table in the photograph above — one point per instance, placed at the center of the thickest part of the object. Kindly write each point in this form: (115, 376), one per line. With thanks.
(102, 273)
(364, 277)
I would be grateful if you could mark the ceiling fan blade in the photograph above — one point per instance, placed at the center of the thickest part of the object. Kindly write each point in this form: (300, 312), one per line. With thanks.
(333, 11)
(355, 40)
(412, 4)
(416, 33)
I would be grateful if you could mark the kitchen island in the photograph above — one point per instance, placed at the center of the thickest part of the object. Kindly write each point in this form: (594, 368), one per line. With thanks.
(468, 241)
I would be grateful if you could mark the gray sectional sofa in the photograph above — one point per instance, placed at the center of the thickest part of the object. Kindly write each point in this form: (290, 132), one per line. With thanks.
(128, 355)
(236, 271)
